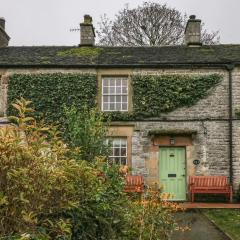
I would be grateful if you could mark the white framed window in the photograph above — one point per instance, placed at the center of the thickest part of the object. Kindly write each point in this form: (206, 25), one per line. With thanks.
(118, 150)
(115, 94)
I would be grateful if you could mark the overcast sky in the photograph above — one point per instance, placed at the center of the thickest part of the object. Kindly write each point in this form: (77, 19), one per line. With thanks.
(47, 22)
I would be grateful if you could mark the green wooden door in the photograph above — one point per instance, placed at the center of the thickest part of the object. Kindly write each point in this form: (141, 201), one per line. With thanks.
(172, 171)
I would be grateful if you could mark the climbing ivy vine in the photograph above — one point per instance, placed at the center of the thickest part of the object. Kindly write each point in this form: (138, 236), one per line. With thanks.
(152, 95)
(49, 93)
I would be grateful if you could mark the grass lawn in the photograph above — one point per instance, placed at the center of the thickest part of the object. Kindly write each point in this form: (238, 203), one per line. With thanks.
(226, 219)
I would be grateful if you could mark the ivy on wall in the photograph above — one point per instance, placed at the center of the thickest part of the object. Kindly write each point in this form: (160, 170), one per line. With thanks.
(153, 95)
(50, 92)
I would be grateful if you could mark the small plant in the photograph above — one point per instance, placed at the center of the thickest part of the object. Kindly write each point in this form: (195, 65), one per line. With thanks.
(154, 217)
(86, 130)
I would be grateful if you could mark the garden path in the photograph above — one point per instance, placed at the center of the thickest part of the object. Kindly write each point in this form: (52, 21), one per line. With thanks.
(201, 227)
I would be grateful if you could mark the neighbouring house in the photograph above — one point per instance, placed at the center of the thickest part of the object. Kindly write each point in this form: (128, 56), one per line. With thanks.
(174, 108)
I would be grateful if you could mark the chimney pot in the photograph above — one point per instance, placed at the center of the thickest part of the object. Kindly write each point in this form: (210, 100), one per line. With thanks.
(193, 17)
(87, 19)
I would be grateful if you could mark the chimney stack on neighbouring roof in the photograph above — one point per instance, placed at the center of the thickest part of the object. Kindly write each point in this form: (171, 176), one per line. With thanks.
(87, 32)
(4, 38)
(2, 23)
(193, 32)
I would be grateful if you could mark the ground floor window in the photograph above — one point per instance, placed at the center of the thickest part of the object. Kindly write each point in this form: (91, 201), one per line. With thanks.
(118, 150)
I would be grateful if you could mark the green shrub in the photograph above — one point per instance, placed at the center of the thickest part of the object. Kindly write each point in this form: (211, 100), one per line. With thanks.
(46, 192)
(39, 185)
(85, 129)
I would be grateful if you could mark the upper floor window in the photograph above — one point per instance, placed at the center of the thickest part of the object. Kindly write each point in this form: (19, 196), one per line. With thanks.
(115, 94)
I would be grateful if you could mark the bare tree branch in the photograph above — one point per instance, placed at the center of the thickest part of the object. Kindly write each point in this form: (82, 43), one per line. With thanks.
(151, 24)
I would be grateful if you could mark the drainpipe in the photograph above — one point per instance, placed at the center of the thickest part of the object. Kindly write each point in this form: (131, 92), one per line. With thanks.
(230, 68)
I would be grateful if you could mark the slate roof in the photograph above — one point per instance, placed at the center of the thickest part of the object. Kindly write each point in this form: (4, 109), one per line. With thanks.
(49, 56)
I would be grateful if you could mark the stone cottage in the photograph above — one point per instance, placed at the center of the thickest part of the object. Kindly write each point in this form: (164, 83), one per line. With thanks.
(166, 138)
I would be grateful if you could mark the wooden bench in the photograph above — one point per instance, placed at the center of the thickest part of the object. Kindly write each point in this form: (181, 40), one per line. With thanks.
(209, 184)
(134, 184)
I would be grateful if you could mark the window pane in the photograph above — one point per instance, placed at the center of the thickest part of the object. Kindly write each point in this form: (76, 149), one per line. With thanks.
(124, 99)
(112, 99)
(112, 82)
(105, 90)
(112, 106)
(124, 143)
(124, 90)
(105, 106)
(116, 142)
(112, 90)
(118, 106)
(118, 90)
(105, 82)
(124, 106)
(118, 82)
(117, 152)
(123, 151)
(118, 99)
(105, 99)
(124, 82)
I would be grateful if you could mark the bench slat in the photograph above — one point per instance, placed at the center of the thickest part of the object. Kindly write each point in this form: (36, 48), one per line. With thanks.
(209, 184)
(134, 183)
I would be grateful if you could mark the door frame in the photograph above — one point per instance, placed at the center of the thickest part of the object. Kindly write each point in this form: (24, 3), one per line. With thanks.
(186, 182)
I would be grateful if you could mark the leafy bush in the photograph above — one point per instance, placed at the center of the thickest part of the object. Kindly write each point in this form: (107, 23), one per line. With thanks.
(45, 193)
(86, 129)
(39, 185)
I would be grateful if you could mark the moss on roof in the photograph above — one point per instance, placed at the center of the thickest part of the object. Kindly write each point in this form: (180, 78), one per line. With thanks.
(80, 52)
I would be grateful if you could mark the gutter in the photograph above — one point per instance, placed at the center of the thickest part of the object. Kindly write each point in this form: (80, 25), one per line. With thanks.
(230, 68)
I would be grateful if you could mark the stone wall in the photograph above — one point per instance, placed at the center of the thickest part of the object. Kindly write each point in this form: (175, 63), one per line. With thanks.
(214, 106)
(209, 118)
(209, 145)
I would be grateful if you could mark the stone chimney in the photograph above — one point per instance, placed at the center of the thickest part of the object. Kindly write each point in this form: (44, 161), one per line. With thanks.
(193, 32)
(4, 38)
(87, 32)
